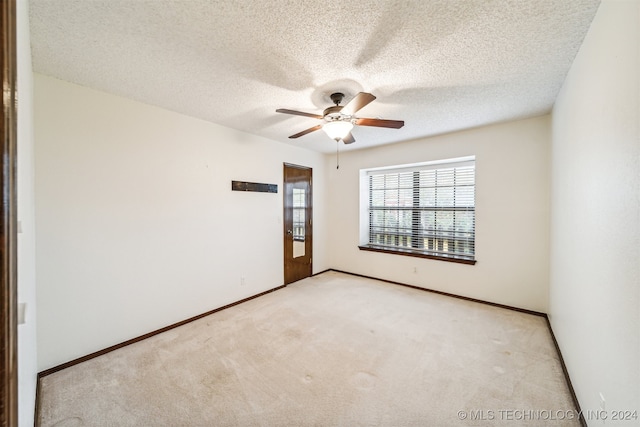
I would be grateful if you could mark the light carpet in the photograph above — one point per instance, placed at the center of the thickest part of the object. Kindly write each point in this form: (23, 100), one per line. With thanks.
(330, 350)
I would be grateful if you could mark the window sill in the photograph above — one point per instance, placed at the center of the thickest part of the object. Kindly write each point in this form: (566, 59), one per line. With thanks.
(408, 252)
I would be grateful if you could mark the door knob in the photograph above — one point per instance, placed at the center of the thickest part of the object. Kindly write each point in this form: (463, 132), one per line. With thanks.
(289, 232)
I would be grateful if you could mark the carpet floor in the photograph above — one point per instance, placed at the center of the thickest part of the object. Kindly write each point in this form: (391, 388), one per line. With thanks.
(330, 350)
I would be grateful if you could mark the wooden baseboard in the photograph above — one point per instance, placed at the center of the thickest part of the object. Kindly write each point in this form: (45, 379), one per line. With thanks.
(494, 304)
(148, 335)
(183, 322)
(73, 362)
(583, 421)
(36, 409)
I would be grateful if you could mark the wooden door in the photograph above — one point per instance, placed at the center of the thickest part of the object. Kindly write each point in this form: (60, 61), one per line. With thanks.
(298, 214)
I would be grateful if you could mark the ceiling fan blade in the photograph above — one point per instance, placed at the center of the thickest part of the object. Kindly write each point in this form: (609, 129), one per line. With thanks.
(349, 139)
(359, 101)
(304, 132)
(298, 113)
(381, 123)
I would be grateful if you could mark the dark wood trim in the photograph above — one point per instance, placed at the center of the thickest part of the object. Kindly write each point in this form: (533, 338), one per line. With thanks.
(415, 254)
(583, 422)
(322, 272)
(147, 335)
(253, 186)
(36, 410)
(292, 165)
(8, 221)
(50, 371)
(301, 267)
(494, 304)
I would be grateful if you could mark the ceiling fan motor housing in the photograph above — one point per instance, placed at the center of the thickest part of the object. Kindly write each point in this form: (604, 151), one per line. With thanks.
(337, 97)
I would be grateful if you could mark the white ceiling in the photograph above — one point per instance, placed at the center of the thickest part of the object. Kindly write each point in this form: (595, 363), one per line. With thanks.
(439, 65)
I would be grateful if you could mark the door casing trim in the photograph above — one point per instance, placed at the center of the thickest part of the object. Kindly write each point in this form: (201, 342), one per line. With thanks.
(309, 215)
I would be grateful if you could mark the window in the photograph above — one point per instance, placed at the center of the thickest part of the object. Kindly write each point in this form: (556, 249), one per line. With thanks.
(424, 210)
(299, 207)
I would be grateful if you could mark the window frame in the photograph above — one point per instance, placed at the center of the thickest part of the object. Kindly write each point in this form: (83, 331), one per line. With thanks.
(299, 209)
(365, 211)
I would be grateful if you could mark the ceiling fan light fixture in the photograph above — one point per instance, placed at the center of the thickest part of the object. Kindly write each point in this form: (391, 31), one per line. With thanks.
(337, 129)
(338, 120)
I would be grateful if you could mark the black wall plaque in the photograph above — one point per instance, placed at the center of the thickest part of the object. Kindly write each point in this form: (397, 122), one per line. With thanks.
(253, 186)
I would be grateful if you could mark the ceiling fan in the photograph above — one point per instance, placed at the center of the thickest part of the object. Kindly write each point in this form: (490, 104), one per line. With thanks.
(340, 119)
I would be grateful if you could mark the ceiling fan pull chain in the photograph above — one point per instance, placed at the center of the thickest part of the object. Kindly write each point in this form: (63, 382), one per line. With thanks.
(337, 154)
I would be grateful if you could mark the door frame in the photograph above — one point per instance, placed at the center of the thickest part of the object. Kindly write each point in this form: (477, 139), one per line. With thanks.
(305, 266)
(8, 222)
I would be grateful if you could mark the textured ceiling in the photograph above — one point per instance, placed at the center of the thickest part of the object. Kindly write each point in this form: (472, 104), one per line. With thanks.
(439, 65)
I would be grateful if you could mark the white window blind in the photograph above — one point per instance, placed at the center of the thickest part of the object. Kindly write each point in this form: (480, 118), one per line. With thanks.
(426, 209)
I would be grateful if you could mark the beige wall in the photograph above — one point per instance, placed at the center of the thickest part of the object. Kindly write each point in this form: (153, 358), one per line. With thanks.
(27, 347)
(595, 250)
(512, 214)
(137, 225)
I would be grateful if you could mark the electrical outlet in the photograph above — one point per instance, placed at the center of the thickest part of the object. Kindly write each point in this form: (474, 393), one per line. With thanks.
(415, 270)
(242, 281)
